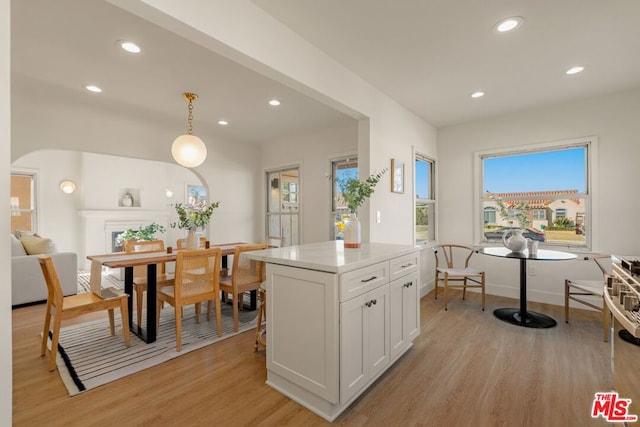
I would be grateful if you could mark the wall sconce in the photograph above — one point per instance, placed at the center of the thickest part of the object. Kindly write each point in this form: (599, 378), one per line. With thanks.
(275, 183)
(169, 193)
(68, 187)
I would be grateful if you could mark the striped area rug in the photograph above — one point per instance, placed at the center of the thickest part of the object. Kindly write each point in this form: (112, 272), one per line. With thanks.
(107, 281)
(88, 356)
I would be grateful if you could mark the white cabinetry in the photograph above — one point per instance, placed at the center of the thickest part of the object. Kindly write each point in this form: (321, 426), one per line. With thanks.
(337, 319)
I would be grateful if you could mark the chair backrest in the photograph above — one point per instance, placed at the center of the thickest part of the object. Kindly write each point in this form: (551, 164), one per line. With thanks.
(453, 255)
(274, 242)
(138, 246)
(246, 270)
(54, 289)
(199, 267)
(182, 243)
(604, 264)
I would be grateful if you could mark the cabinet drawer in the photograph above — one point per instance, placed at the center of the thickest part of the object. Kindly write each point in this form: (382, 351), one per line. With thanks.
(404, 265)
(357, 282)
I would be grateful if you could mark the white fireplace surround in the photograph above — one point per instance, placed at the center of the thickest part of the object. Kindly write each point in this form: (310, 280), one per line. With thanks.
(99, 225)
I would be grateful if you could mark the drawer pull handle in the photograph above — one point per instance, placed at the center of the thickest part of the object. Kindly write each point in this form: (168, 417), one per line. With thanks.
(406, 265)
(369, 279)
(370, 303)
(408, 284)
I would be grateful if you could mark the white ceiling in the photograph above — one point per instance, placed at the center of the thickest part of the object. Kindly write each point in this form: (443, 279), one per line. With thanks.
(429, 55)
(59, 46)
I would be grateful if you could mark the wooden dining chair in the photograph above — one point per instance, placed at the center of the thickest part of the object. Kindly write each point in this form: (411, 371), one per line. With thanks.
(453, 271)
(246, 275)
(197, 280)
(578, 289)
(182, 243)
(140, 272)
(60, 308)
(272, 242)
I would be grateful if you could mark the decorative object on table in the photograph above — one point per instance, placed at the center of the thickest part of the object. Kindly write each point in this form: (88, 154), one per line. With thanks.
(143, 233)
(192, 218)
(520, 212)
(189, 150)
(129, 198)
(355, 193)
(397, 176)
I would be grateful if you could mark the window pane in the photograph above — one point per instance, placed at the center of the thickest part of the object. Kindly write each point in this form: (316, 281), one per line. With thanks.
(425, 203)
(544, 192)
(342, 169)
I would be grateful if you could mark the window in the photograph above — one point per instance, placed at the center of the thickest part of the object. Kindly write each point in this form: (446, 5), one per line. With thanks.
(341, 169)
(23, 212)
(425, 199)
(520, 187)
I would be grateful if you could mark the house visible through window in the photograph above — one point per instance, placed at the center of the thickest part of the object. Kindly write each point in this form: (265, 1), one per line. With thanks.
(544, 189)
(425, 199)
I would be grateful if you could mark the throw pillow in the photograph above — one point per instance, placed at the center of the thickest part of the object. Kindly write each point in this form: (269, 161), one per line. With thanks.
(16, 247)
(37, 245)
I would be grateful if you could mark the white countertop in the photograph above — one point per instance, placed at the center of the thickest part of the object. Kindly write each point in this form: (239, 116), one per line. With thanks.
(331, 256)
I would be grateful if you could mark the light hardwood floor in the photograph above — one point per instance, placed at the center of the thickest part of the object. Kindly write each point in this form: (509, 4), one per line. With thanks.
(466, 368)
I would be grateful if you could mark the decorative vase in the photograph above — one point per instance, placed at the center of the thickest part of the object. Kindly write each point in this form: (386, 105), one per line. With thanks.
(514, 240)
(192, 241)
(352, 236)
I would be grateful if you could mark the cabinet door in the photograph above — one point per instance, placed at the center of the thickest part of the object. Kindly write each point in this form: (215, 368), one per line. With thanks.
(404, 313)
(364, 340)
(353, 364)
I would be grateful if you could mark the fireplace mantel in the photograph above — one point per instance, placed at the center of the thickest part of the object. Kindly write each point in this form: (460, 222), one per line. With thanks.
(121, 213)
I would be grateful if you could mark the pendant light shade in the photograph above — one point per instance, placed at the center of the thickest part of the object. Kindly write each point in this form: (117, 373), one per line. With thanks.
(189, 150)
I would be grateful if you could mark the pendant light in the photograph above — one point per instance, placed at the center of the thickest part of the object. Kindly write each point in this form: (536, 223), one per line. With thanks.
(189, 150)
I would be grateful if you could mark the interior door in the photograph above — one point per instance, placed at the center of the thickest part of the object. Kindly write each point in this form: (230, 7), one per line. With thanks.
(283, 205)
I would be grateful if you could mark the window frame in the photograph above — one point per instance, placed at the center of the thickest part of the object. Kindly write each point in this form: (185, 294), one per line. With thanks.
(34, 175)
(590, 143)
(430, 202)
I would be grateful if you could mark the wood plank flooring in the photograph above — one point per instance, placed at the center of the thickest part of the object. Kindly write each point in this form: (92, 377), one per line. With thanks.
(466, 368)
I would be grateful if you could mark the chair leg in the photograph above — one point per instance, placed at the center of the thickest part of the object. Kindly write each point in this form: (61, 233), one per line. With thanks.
(124, 317)
(45, 332)
(219, 316)
(258, 327)
(483, 294)
(54, 342)
(178, 328)
(446, 290)
(566, 301)
(198, 309)
(464, 288)
(235, 312)
(606, 317)
(436, 286)
(112, 324)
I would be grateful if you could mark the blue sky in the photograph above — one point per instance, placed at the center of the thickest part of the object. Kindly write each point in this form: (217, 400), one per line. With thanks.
(547, 171)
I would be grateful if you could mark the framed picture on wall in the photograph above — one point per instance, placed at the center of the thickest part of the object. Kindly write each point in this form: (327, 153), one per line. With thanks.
(196, 195)
(397, 176)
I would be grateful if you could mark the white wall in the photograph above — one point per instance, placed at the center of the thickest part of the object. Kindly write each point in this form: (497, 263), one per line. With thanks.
(613, 119)
(6, 379)
(243, 32)
(313, 153)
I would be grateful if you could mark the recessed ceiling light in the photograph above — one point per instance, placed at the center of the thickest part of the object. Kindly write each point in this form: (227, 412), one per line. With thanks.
(575, 70)
(93, 88)
(130, 47)
(478, 94)
(274, 102)
(223, 122)
(509, 24)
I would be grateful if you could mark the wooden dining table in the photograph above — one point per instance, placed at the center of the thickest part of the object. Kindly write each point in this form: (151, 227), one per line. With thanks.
(151, 259)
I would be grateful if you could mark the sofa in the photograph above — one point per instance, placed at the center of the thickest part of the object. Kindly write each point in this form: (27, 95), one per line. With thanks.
(27, 282)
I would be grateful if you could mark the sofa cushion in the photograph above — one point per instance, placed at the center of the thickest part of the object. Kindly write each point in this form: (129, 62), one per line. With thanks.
(16, 247)
(37, 245)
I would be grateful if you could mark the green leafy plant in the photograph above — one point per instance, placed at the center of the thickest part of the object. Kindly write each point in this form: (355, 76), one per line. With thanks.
(355, 192)
(518, 212)
(194, 217)
(142, 233)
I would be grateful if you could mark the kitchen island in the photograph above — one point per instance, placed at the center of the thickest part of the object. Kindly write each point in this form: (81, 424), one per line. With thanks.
(337, 318)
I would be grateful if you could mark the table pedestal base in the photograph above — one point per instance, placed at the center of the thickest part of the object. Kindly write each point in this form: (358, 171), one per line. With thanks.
(532, 319)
